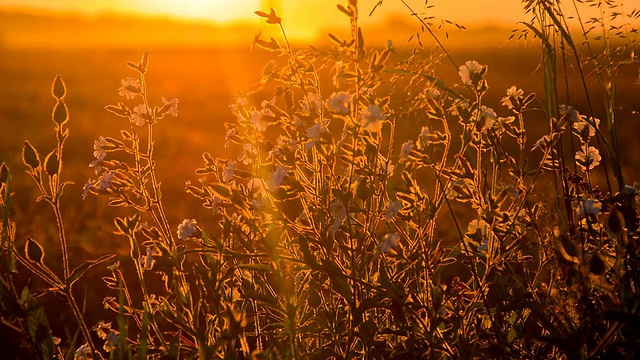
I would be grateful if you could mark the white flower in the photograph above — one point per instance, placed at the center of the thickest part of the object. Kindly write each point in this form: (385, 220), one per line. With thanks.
(249, 152)
(513, 97)
(569, 111)
(240, 103)
(111, 342)
(278, 176)
(588, 158)
(339, 214)
(104, 182)
(406, 149)
(82, 352)
(582, 124)
(314, 133)
(187, 229)
(371, 116)
(130, 87)
(313, 101)
(339, 103)
(173, 106)
(590, 207)
(257, 117)
(393, 208)
(389, 242)
(471, 72)
(140, 115)
(227, 171)
(98, 148)
(489, 116)
(147, 260)
(231, 132)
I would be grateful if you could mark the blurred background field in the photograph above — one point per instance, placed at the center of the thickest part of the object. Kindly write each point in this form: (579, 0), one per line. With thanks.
(205, 66)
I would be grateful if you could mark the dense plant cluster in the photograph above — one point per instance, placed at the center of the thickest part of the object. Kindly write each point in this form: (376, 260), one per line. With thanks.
(370, 210)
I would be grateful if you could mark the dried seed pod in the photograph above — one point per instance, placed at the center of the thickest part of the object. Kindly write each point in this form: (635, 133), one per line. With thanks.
(30, 156)
(596, 265)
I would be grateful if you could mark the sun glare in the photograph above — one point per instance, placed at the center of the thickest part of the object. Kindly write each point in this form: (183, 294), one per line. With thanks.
(223, 11)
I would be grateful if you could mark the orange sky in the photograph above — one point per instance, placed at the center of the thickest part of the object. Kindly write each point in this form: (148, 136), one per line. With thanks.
(303, 18)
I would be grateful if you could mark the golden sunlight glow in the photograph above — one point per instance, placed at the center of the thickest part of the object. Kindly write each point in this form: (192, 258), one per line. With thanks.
(223, 11)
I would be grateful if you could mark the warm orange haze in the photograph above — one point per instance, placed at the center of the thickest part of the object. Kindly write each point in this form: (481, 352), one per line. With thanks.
(313, 179)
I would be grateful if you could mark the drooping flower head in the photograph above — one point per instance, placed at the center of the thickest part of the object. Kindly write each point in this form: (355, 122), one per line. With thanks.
(129, 87)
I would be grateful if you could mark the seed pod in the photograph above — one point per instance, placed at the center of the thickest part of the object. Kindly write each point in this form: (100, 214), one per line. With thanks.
(51, 165)
(4, 173)
(616, 221)
(58, 89)
(30, 156)
(60, 114)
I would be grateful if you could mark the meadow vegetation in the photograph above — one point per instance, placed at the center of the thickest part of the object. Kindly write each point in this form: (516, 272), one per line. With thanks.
(364, 206)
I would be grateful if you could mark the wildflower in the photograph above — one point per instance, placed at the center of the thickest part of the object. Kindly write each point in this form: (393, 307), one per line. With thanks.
(339, 103)
(129, 88)
(240, 103)
(279, 175)
(588, 158)
(500, 126)
(476, 230)
(406, 149)
(513, 98)
(98, 148)
(173, 106)
(569, 111)
(140, 115)
(471, 72)
(249, 152)
(82, 352)
(104, 182)
(458, 106)
(313, 101)
(488, 116)
(430, 93)
(85, 190)
(257, 117)
(371, 116)
(589, 207)
(111, 342)
(484, 246)
(187, 229)
(393, 208)
(314, 133)
(153, 301)
(231, 132)
(339, 214)
(147, 260)
(389, 242)
(340, 76)
(227, 171)
(586, 127)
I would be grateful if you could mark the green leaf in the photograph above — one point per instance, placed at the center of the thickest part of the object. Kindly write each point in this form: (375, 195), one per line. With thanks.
(38, 327)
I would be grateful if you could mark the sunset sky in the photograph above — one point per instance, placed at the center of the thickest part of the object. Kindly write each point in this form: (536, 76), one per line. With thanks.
(304, 17)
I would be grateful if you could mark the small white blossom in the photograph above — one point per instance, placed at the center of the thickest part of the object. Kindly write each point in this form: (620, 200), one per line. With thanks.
(572, 113)
(187, 229)
(98, 148)
(87, 187)
(82, 352)
(130, 87)
(257, 117)
(393, 208)
(278, 176)
(147, 260)
(140, 115)
(227, 171)
(371, 118)
(583, 124)
(588, 158)
(514, 95)
(173, 106)
(389, 242)
(314, 133)
(488, 116)
(231, 132)
(104, 182)
(339, 103)
(589, 207)
(470, 72)
(406, 149)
